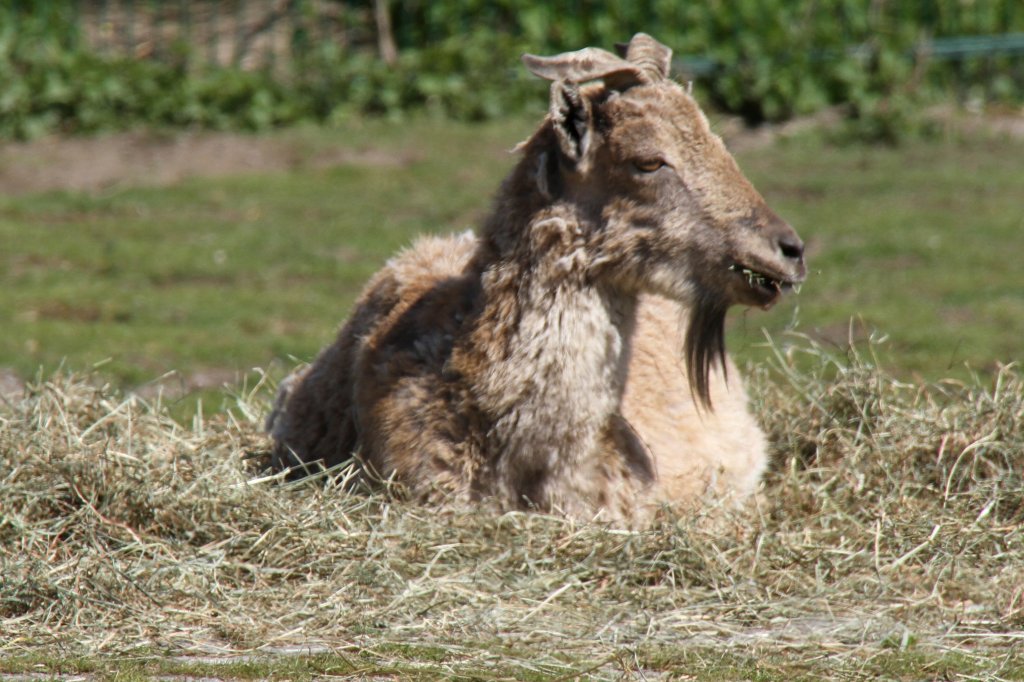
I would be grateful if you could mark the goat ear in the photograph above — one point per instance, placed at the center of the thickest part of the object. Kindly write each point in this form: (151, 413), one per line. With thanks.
(572, 120)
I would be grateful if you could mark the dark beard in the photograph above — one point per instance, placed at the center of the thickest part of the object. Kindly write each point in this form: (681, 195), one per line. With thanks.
(705, 345)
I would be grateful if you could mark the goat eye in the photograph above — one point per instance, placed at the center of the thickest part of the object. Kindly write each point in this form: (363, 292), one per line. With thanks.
(648, 165)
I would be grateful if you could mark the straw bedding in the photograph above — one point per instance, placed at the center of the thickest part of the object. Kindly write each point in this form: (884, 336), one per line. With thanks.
(892, 515)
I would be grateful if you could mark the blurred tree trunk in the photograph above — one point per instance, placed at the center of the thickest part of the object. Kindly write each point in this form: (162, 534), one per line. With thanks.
(385, 37)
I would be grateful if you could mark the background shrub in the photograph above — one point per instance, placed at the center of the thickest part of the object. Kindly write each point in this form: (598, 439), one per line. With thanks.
(764, 60)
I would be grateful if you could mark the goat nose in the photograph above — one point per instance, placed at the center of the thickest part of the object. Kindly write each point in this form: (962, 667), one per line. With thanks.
(791, 247)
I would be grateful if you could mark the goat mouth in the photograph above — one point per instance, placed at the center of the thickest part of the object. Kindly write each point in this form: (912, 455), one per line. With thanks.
(767, 289)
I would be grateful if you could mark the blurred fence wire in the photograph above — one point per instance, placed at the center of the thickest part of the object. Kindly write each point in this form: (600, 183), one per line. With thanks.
(249, 34)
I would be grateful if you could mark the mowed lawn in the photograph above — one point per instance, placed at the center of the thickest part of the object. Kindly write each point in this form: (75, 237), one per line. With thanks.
(919, 243)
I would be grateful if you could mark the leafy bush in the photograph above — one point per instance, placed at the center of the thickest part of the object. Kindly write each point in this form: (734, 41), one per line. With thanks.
(773, 59)
(469, 78)
(53, 86)
(770, 60)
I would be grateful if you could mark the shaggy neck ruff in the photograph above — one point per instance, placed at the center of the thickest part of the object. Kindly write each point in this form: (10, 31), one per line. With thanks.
(557, 349)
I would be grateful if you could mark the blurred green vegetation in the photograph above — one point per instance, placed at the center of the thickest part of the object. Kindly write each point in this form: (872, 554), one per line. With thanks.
(918, 243)
(766, 60)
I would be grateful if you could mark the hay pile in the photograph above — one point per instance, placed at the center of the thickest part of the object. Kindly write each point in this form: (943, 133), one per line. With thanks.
(891, 519)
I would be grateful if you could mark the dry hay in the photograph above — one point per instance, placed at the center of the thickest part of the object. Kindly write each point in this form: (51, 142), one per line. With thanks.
(892, 517)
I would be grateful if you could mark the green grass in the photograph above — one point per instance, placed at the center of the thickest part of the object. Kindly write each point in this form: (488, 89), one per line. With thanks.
(920, 243)
(473, 662)
(229, 273)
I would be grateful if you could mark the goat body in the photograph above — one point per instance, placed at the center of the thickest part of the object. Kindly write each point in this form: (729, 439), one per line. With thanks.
(541, 365)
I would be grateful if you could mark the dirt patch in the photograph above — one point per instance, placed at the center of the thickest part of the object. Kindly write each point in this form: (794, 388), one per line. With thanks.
(175, 385)
(740, 138)
(952, 121)
(150, 158)
(12, 388)
(170, 386)
(147, 158)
